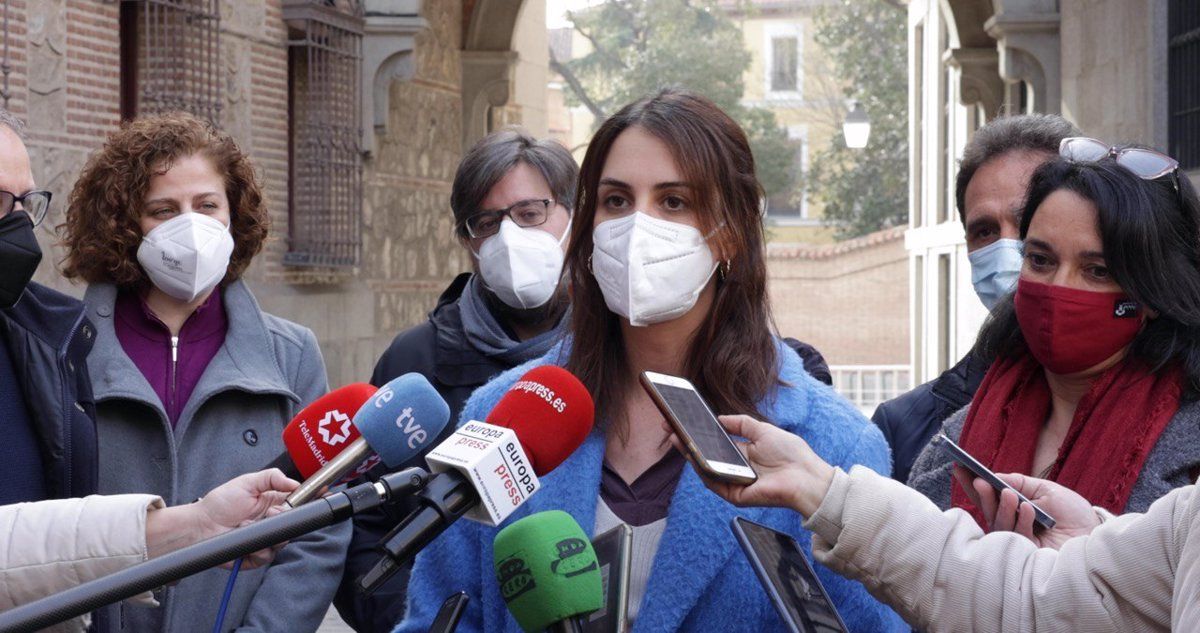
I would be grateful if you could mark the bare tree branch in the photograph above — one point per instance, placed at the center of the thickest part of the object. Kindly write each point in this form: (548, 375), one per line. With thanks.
(576, 87)
(613, 59)
(895, 4)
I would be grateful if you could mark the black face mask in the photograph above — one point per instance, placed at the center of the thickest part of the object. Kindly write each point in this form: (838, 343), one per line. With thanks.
(19, 256)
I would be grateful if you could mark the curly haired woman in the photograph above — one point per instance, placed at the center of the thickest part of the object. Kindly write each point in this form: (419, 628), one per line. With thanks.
(193, 381)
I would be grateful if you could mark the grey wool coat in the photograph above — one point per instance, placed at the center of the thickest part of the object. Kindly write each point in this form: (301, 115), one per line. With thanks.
(266, 370)
(1173, 462)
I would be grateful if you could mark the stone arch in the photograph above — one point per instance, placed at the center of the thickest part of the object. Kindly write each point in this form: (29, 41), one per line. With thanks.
(976, 55)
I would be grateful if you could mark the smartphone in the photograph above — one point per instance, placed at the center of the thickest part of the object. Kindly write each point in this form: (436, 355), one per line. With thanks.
(788, 579)
(450, 613)
(979, 470)
(693, 421)
(614, 552)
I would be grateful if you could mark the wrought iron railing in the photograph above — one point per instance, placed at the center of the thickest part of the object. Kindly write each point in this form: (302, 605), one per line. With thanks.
(867, 386)
(170, 57)
(325, 157)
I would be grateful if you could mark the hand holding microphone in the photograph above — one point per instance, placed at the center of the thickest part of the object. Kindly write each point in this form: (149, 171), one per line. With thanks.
(235, 503)
(398, 424)
(547, 571)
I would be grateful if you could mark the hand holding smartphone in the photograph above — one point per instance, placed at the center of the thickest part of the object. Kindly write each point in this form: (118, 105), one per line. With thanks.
(1041, 518)
(707, 443)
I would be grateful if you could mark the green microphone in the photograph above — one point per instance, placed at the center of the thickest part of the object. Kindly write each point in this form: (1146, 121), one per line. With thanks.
(547, 572)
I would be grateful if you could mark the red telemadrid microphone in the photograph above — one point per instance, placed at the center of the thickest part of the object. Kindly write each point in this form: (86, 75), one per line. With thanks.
(321, 431)
(486, 470)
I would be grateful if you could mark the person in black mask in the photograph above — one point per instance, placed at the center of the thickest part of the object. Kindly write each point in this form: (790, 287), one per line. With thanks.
(46, 409)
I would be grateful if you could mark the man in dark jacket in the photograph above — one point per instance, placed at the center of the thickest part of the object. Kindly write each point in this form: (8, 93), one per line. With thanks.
(512, 200)
(990, 193)
(46, 408)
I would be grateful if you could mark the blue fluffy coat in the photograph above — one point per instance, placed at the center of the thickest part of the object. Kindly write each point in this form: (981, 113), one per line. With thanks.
(700, 580)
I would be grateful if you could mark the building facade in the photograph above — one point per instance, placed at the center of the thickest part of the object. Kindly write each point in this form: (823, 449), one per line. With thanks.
(1121, 70)
(790, 76)
(356, 113)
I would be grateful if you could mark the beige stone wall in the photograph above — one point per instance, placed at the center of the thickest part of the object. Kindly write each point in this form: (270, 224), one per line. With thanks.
(849, 300)
(1114, 68)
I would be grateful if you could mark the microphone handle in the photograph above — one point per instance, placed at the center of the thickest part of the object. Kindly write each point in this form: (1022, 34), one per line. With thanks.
(331, 472)
(573, 624)
(284, 462)
(445, 498)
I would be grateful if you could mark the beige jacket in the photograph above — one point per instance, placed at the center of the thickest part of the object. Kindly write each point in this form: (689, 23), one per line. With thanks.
(50, 546)
(1136, 572)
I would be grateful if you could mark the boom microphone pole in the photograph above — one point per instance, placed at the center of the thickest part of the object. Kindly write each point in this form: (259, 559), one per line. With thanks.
(226, 547)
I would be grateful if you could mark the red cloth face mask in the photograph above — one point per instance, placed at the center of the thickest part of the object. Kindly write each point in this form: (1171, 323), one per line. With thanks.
(1070, 330)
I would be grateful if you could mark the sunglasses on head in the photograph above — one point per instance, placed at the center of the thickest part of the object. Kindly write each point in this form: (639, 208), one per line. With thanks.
(1143, 163)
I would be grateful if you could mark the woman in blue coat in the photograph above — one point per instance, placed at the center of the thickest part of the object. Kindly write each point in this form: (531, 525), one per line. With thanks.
(667, 272)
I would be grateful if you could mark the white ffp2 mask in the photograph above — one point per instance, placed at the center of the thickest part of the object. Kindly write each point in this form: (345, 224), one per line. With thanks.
(187, 255)
(650, 270)
(522, 266)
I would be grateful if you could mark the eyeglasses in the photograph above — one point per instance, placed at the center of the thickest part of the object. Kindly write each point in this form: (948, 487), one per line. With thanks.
(524, 214)
(1144, 163)
(35, 204)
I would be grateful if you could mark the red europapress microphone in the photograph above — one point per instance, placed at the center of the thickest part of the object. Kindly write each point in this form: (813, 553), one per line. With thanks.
(321, 431)
(550, 411)
(486, 470)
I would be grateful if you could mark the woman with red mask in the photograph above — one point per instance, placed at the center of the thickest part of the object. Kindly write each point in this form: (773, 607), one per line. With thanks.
(1095, 366)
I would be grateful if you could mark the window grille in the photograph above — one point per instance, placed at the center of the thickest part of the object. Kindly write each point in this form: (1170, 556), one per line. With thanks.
(1183, 24)
(170, 57)
(324, 132)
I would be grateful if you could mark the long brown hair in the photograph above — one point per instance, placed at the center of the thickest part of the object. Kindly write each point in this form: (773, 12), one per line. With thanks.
(731, 357)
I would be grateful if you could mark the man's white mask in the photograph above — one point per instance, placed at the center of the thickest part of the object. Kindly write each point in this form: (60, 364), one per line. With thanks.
(187, 255)
(522, 266)
(650, 270)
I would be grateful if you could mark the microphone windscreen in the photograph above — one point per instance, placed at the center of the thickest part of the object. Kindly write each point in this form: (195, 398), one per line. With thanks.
(324, 428)
(405, 417)
(551, 413)
(547, 570)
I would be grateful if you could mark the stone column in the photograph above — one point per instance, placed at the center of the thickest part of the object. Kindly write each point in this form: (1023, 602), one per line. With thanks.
(1027, 39)
(389, 38)
(487, 81)
(981, 82)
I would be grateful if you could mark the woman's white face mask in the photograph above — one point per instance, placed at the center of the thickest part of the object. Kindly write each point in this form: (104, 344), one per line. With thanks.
(650, 270)
(187, 255)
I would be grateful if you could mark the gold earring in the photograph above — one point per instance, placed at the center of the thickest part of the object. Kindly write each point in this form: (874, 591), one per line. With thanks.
(723, 269)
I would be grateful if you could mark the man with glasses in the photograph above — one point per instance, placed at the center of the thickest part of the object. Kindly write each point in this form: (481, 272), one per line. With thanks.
(990, 189)
(46, 410)
(512, 201)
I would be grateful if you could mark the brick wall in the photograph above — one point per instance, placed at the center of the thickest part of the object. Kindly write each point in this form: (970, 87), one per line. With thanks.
(849, 300)
(65, 82)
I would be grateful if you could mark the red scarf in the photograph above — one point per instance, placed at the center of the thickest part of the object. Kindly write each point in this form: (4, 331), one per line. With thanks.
(1116, 425)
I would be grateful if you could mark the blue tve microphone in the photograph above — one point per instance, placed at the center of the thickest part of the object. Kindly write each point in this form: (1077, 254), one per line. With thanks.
(398, 423)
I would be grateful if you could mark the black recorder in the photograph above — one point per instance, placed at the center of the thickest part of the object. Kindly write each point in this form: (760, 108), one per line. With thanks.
(788, 579)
